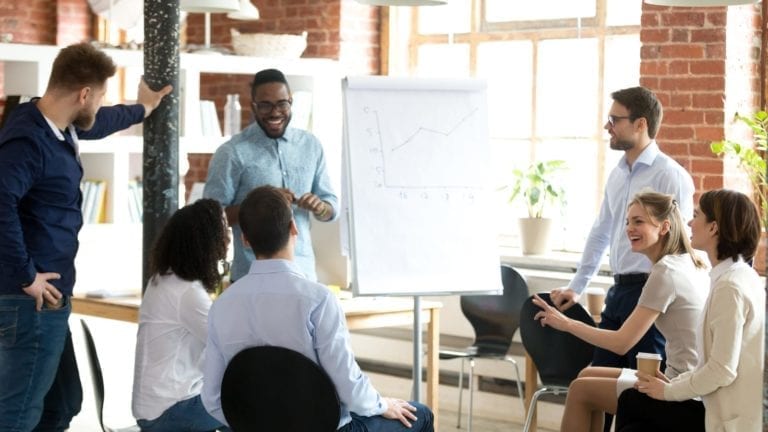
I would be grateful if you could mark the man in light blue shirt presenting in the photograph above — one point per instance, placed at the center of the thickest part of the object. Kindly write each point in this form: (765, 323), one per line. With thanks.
(269, 152)
(274, 305)
(633, 121)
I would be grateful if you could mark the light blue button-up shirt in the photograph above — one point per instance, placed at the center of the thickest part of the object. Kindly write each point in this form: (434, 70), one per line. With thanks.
(275, 305)
(252, 159)
(652, 170)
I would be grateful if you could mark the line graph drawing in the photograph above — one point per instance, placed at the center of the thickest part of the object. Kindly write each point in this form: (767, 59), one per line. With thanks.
(413, 150)
(422, 129)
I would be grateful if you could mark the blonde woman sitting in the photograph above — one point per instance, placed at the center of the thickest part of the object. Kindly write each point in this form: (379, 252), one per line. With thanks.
(672, 299)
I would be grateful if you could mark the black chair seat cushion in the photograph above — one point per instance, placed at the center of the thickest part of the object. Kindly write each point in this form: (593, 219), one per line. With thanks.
(271, 388)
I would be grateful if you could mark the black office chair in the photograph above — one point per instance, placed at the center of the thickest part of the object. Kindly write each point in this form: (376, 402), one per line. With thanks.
(495, 319)
(98, 381)
(559, 356)
(270, 388)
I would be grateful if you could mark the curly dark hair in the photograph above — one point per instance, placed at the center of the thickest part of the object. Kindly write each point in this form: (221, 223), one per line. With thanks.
(192, 243)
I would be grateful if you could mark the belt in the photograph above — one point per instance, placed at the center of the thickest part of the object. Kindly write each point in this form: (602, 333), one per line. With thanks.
(630, 278)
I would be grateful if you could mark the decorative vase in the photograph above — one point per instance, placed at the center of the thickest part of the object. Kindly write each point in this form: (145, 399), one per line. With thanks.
(534, 235)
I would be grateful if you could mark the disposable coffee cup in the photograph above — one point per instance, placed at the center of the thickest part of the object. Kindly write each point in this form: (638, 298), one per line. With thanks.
(595, 300)
(648, 363)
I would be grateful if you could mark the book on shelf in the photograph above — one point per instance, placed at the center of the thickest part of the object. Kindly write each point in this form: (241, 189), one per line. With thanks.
(135, 201)
(94, 205)
(209, 120)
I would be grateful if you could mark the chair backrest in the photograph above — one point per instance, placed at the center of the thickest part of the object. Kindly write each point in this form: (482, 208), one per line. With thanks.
(559, 356)
(495, 318)
(96, 376)
(269, 388)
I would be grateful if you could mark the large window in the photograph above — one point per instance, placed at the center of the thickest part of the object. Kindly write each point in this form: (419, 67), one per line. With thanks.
(551, 67)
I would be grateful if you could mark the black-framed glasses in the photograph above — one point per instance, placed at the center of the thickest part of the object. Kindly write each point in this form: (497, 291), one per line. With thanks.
(612, 119)
(266, 107)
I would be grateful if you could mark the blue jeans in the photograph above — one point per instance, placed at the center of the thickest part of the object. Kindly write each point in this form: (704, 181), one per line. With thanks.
(424, 422)
(41, 388)
(185, 416)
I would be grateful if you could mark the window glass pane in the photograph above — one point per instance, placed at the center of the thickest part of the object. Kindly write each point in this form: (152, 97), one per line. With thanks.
(508, 155)
(452, 17)
(508, 68)
(515, 10)
(440, 60)
(623, 12)
(566, 89)
(622, 67)
(578, 215)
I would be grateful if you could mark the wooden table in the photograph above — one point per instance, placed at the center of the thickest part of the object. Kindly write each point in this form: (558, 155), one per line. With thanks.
(361, 313)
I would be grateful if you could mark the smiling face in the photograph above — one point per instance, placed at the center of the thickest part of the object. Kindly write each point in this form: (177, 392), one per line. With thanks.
(645, 233)
(269, 108)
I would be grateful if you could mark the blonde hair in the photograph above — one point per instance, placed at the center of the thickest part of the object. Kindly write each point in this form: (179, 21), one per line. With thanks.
(663, 207)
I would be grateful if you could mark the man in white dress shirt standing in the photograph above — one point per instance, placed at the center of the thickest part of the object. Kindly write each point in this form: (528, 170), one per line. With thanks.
(633, 121)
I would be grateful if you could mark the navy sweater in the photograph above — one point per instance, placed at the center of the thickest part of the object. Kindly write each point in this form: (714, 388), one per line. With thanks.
(40, 198)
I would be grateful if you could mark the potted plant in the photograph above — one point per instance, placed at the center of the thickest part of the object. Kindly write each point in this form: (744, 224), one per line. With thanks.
(537, 186)
(751, 159)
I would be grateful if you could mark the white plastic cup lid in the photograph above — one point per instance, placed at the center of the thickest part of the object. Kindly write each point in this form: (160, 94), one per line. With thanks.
(649, 356)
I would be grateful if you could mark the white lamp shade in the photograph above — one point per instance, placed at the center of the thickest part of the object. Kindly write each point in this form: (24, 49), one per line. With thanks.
(694, 3)
(403, 2)
(247, 12)
(213, 6)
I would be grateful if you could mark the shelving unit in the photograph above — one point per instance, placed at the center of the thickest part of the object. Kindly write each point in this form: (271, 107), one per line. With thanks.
(118, 158)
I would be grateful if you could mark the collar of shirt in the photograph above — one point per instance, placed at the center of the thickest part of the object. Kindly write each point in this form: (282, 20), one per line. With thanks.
(263, 266)
(646, 157)
(725, 265)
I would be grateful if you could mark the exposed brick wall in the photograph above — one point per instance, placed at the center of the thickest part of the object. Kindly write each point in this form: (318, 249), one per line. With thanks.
(74, 22)
(685, 55)
(31, 21)
(355, 44)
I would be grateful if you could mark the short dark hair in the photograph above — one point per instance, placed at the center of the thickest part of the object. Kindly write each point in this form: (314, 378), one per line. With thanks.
(641, 102)
(192, 243)
(80, 65)
(265, 219)
(738, 222)
(268, 76)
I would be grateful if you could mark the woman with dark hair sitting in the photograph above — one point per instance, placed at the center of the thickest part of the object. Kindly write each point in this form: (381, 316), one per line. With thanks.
(184, 265)
(729, 377)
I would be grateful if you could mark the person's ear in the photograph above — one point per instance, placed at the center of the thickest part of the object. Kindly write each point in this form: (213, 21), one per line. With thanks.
(245, 241)
(294, 229)
(82, 95)
(665, 227)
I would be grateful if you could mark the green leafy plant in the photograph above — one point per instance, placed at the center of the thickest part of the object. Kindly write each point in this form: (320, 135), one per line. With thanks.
(751, 156)
(538, 185)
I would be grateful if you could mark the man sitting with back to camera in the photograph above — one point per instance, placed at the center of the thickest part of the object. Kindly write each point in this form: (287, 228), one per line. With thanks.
(275, 305)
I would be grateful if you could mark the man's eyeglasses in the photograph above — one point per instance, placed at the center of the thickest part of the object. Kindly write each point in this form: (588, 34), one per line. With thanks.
(612, 119)
(266, 107)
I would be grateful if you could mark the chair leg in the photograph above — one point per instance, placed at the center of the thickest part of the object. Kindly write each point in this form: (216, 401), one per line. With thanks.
(461, 390)
(471, 391)
(532, 406)
(520, 393)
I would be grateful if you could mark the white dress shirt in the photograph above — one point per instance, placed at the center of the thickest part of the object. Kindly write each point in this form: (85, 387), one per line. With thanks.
(652, 170)
(169, 345)
(275, 305)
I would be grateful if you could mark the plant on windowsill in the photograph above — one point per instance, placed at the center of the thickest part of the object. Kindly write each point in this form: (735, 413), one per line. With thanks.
(751, 159)
(537, 186)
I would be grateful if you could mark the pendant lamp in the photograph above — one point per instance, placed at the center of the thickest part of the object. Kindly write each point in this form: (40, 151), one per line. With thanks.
(213, 6)
(208, 7)
(403, 2)
(247, 12)
(695, 3)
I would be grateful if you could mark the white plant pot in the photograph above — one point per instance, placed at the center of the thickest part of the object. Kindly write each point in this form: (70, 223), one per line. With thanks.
(535, 235)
